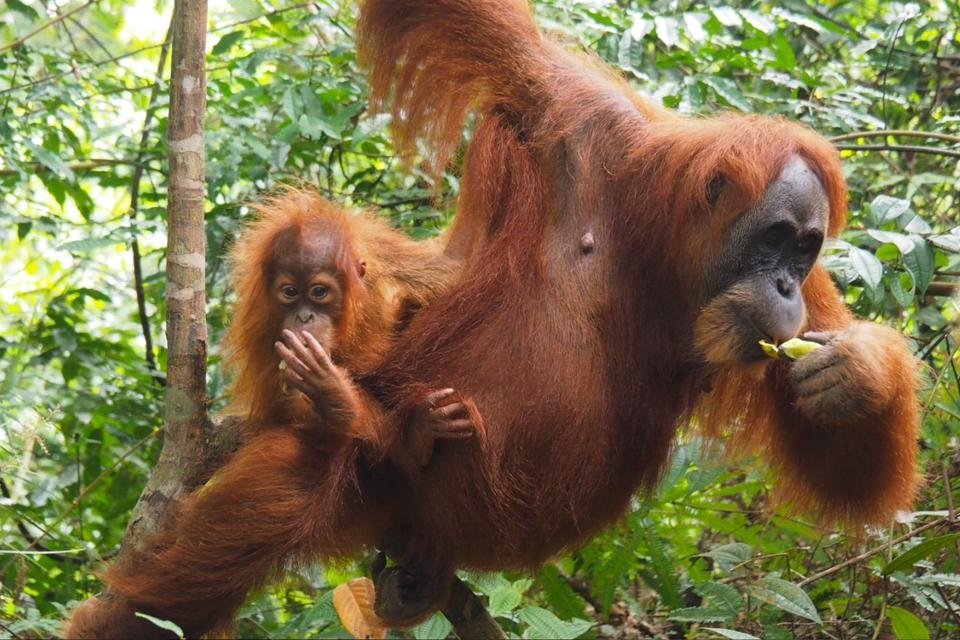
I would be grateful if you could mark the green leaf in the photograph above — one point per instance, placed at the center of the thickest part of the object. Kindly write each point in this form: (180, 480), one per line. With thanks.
(948, 242)
(51, 161)
(907, 626)
(166, 625)
(26, 11)
(729, 555)
(920, 263)
(723, 596)
(226, 42)
(867, 267)
(727, 16)
(728, 90)
(786, 60)
(503, 600)
(758, 21)
(911, 556)
(560, 596)
(437, 626)
(667, 30)
(885, 209)
(699, 614)
(786, 596)
(903, 242)
(902, 287)
(731, 634)
(544, 624)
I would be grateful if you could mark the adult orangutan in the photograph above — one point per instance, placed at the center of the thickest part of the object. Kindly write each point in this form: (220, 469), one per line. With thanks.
(622, 263)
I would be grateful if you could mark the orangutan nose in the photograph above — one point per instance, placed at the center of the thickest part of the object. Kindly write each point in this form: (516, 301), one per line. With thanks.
(303, 317)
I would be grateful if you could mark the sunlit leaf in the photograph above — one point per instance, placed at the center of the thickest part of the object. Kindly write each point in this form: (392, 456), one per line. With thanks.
(907, 626)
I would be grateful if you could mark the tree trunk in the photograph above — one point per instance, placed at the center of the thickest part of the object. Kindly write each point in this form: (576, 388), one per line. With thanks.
(185, 414)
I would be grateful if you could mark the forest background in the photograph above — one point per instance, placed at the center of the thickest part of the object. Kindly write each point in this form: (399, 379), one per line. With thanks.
(84, 88)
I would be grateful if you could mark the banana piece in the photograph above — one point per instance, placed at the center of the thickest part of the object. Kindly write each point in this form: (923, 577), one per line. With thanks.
(791, 349)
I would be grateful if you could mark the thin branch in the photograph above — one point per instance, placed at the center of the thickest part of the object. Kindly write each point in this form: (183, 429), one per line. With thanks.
(940, 289)
(85, 165)
(872, 552)
(134, 206)
(900, 133)
(899, 147)
(83, 67)
(46, 25)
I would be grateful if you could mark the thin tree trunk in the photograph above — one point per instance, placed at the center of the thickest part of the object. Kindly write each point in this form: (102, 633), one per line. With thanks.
(185, 432)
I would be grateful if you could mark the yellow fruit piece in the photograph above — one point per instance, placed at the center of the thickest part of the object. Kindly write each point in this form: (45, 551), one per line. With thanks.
(353, 602)
(797, 348)
(770, 349)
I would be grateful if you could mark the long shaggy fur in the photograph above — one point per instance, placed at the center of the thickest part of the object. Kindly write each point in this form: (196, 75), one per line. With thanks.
(583, 364)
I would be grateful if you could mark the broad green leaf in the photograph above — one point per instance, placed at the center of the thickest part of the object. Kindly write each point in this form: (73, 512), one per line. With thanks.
(786, 596)
(758, 21)
(667, 30)
(503, 600)
(226, 42)
(50, 160)
(728, 90)
(487, 583)
(907, 626)
(727, 16)
(722, 596)
(641, 27)
(885, 209)
(693, 23)
(912, 223)
(867, 267)
(23, 9)
(434, 628)
(560, 596)
(729, 555)
(544, 624)
(920, 263)
(903, 242)
(947, 241)
(731, 634)
(902, 287)
(786, 60)
(911, 556)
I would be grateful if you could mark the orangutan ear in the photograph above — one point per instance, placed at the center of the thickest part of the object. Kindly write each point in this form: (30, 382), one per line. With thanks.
(361, 269)
(715, 189)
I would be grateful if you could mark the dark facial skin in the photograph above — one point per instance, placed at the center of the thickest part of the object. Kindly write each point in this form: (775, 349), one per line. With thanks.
(767, 255)
(306, 283)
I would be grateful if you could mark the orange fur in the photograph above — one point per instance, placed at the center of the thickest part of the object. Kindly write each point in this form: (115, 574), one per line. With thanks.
(288, 494)
(578, 361)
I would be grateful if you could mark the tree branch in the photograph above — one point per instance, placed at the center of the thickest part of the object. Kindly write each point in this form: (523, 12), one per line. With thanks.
(900, 133)
(46, 25)
(84, 165)
(899, 147)
(872, 552)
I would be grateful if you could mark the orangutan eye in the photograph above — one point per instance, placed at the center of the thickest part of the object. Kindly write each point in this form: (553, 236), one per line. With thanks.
(289, 292)
(809, 243)
(318, 292)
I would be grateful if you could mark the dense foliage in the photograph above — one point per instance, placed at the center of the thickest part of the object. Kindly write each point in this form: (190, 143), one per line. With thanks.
(82, 214)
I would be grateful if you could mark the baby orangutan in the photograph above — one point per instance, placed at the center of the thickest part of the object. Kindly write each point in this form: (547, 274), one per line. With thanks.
(321, 295)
